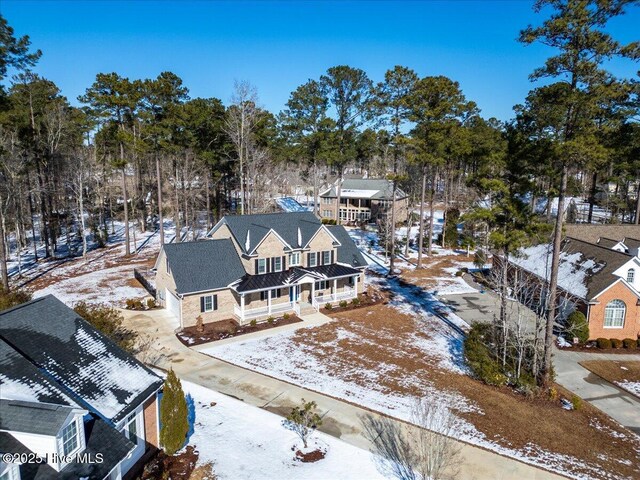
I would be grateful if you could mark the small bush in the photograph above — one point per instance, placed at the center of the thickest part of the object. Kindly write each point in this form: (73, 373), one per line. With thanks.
(553, 394)
(577, 326)
(603, 343)
(576, 402)
(355, 302)
(270, 320)
(253, 322)
(328, 306)
(134, 304)
(479, 358)
(199, 324)
(629, 343)
(343, 303)
(151, 303)
(615, 343)
(286, 316)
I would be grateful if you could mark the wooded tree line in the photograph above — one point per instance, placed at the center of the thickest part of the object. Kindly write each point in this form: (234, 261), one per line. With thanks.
(135, 145)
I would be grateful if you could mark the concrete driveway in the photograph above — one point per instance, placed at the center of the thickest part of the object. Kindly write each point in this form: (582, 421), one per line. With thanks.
(340, 419)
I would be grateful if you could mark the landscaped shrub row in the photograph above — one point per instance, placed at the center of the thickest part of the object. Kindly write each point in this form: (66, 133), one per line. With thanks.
(606, 343)
(136, 304)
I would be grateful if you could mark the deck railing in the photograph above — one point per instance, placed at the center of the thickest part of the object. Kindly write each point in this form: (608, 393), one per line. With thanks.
(251, 313)
(347, 294)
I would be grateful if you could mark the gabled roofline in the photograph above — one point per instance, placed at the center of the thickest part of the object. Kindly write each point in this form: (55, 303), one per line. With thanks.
(624, 282)
(322, 227)
(252, 252)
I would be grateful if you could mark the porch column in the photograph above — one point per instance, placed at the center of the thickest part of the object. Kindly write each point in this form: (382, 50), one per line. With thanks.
(269, 301)
(355, 284)
(335, 289)
(242, 306)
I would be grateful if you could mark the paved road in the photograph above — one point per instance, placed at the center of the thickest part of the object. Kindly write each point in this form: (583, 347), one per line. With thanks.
(340, 419)
(618, 404)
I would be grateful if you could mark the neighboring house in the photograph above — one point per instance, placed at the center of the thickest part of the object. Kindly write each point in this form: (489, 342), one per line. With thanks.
(601, 282)
(257, 266)
(363, 200)
(69, 395)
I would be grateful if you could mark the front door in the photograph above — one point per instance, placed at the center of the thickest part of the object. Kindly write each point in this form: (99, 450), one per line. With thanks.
(294, 293)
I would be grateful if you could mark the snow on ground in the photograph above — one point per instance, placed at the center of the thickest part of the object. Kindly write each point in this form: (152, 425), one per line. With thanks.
(633, 387)
(246, 442)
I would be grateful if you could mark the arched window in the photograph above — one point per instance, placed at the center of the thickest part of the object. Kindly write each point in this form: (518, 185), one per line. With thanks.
(631, 274)
(614, 314)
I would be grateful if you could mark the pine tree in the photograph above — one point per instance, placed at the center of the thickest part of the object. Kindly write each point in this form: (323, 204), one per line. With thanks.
(173, 415)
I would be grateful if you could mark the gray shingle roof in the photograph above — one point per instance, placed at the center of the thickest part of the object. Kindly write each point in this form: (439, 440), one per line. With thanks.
(607, 242)
(95, 372)
(32, 417)
(204, 265)
(631, 242)
(284, 224)
(348, 252)
(383, 187)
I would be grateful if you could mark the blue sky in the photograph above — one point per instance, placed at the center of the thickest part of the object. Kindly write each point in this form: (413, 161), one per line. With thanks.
(279, 45)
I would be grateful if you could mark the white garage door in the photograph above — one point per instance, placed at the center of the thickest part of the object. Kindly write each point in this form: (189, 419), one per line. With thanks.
(173, 306)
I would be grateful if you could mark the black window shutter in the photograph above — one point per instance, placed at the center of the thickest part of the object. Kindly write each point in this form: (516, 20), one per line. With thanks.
(273, 264)
(201, 304)
(215, 302)
(318, 258)
(257, 268)
(309, 259)
(283, 264)
(332, 261)
(268, 262)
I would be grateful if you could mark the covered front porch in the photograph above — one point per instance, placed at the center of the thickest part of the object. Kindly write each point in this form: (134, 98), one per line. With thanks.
(310, 291)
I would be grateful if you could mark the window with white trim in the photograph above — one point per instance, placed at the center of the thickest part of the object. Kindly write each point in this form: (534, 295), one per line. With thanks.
(312, 260)
(208, 303)
(327, 213)
(326, 257)
(294, 259)
(614, 314)
(631, 274)
(322, 285)
(70, 438)
(131, 429)
(277, 264)
(262, 266)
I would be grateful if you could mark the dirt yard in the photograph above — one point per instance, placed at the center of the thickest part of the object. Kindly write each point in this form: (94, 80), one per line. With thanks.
(624, 374)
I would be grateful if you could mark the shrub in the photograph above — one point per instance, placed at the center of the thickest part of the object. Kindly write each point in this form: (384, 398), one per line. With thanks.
(576, 402)
(615, 343)
(253, 322)
(286, 316)
(173, 415)
(134, 304)
(629, 343)
(303, 420)
(328, 306)
(11, 298)
(355, 302)
(270, 320)
(199, 324)
(109, 321)
(151, 303)
(603, 343)
(577, 326)
(343, 303)
(553, 394)
(479, 358)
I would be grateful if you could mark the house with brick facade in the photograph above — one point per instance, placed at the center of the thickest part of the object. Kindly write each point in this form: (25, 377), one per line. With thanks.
(363, 200)
(70, 398)
(259, 266)
(595, 278)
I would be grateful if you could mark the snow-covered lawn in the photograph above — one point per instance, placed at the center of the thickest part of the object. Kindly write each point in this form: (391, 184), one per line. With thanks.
(245, 442)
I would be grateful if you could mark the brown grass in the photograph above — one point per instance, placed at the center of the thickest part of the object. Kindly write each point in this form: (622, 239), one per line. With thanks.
(433, 269)
(614, 371)
(382, 336)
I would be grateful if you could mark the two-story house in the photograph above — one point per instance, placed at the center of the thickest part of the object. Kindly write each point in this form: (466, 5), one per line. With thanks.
(258, 266)
(363, 200)
(70, 397)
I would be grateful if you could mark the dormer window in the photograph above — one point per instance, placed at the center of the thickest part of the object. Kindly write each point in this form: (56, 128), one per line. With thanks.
(70, 438)
(631, 274)
(294, 259)
(131, 429)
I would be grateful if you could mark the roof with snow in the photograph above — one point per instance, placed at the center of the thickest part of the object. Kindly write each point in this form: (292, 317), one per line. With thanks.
(74, 363)
(289, 204)
(585, 270)
(204, 265)
(369, 188)
(295, 228)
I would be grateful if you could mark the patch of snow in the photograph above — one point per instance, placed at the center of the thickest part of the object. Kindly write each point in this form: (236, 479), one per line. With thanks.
(633, 387)
(246, 442)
